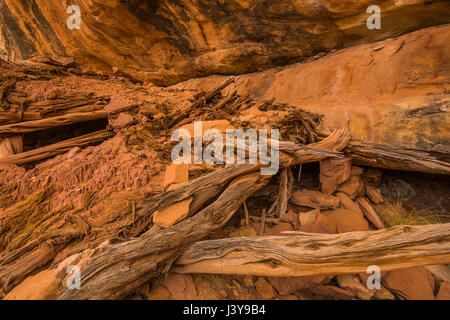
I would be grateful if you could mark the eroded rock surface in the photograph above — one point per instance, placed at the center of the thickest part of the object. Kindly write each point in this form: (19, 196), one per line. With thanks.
(395, 91)
(166, 41)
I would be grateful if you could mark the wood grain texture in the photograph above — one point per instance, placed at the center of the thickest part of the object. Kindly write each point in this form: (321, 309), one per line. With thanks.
(13, 117)
(10, 146)
(306, 254)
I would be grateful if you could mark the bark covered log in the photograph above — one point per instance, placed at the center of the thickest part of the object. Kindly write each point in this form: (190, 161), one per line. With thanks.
(393, 157)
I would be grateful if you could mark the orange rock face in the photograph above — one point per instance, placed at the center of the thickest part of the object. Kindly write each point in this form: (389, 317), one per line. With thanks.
(42, 286)
(352, 187)
(171, 40)
(344, 220)
(289, 285)
(334, 172)
(444, 291)
(384, 92)
(175, 174)
(264, 288)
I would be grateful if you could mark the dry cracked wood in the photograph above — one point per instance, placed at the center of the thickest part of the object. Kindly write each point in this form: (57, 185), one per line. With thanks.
(37, 125)
(305, 254)
(10, 145)
(14, 117)
(55, 149)
(392, 157)
(11, 117)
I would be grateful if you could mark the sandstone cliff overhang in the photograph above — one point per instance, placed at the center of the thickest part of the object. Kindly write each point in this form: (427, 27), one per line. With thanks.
(166, 41)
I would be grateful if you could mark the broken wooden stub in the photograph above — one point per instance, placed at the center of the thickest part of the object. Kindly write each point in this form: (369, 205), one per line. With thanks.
(10, 146)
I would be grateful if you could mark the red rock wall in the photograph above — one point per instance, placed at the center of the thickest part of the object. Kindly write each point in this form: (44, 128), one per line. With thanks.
(395, 91)
(166, 41)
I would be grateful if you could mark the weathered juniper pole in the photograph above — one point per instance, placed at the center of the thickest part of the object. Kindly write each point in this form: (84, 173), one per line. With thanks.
(42, 124)
(393, 157)
(306, 254)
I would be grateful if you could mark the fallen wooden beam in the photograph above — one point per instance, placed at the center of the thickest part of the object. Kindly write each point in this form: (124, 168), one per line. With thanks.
(397, 158)
(306, 254)
(180, 115)
(37, 125)
(55, 149)
(392, 157)
(14, 117)
(204, 190)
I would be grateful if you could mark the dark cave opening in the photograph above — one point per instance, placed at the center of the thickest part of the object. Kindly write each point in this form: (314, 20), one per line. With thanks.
(39, 139)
